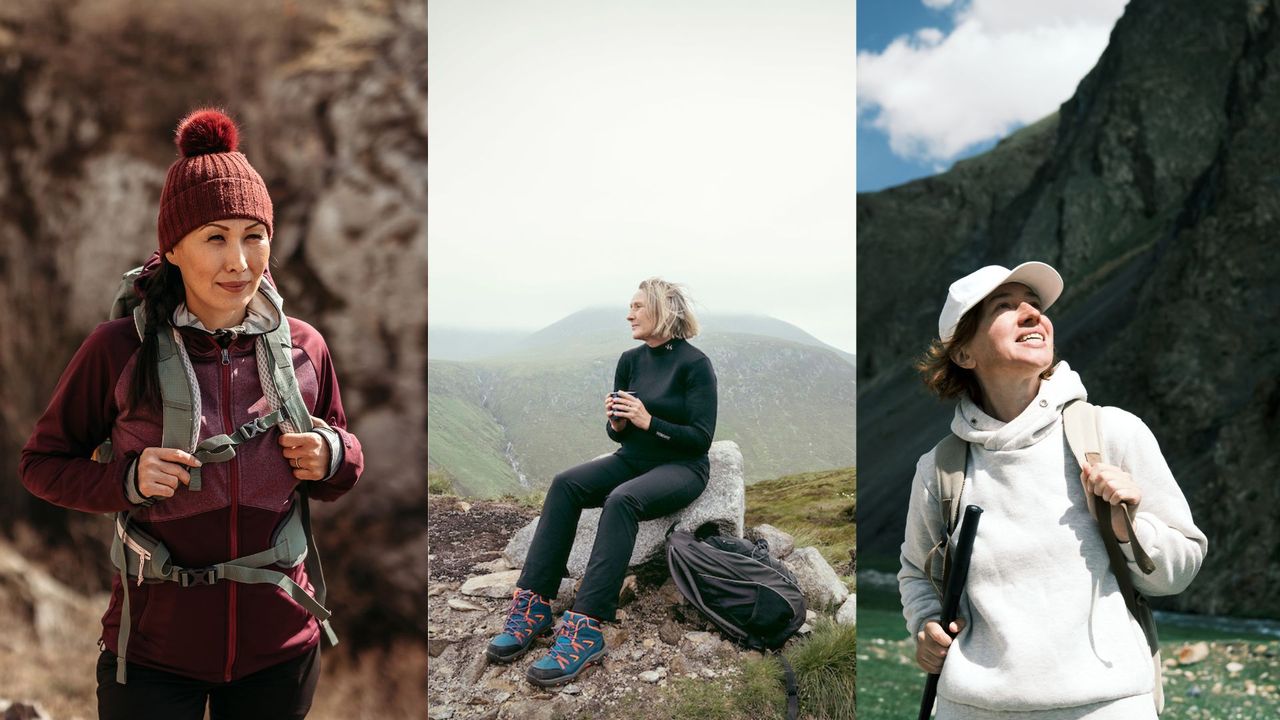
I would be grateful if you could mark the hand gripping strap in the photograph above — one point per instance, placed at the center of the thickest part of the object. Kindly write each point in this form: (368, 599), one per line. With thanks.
(1080, 422)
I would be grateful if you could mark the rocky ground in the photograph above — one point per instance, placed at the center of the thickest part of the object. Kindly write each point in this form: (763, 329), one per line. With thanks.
(656, 640)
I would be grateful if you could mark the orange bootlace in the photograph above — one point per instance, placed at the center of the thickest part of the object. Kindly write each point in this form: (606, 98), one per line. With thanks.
(564, 636)
(518, 617)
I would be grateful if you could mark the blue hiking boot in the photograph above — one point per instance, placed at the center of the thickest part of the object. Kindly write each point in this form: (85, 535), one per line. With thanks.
(578, 643)
(528, 618)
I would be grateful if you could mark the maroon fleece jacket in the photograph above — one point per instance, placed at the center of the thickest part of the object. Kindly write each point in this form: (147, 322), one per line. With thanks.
(217, 632)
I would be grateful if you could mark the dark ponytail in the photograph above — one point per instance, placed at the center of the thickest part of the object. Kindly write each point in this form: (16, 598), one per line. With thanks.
(162, 293)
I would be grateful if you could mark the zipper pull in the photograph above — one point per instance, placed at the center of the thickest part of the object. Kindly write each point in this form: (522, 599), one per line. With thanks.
(226, 356)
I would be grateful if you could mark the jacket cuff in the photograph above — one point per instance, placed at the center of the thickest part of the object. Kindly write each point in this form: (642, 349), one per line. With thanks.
(131, 486)
(659, 428)
(336, 453)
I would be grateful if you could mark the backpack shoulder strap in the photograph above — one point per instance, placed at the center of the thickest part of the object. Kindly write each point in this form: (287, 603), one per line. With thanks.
(176, 393)
(951, 455)
(279, 343)
(1080, 423)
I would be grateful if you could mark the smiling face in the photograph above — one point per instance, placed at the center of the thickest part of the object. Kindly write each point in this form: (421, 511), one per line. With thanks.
(1014, 340)
(222, 263)
(642, 318)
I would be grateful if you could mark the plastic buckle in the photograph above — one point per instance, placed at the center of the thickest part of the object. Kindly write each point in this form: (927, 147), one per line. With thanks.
(190, 577)
(253, 428)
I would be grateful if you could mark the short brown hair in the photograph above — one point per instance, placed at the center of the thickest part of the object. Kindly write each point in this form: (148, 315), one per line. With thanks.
(944, 377)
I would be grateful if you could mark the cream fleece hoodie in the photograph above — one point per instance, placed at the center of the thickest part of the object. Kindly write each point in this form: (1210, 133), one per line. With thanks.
(1047, 627)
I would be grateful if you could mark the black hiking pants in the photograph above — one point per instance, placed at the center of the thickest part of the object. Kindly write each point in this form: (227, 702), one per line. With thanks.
(280, 692)
(629, 490)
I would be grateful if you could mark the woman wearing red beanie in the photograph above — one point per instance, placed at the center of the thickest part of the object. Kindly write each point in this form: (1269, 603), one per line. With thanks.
(220, 620)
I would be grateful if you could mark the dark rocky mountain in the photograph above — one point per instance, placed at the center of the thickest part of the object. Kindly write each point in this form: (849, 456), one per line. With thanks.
(331, 100)
(1155, 190)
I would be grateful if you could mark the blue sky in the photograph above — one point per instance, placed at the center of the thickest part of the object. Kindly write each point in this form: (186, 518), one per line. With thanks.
(879, 23)
(941, 80)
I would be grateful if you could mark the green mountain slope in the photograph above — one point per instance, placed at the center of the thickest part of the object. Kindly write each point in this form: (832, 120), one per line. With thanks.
(464, 441)
(789, 406)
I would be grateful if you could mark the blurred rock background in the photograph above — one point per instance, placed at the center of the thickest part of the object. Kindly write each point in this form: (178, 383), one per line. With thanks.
(331, 99)
(1155, 190)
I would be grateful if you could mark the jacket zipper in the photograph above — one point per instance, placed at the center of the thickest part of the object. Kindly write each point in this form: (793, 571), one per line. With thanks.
(234, 467)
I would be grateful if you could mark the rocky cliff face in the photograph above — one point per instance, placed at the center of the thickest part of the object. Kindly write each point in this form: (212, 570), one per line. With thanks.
(331, 99)
(1154, 191)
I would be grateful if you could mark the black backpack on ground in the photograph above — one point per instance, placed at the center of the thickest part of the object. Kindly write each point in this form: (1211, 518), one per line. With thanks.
(753, 598)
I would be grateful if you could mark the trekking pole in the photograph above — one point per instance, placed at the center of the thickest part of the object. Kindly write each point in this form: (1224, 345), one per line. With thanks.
(951, 595)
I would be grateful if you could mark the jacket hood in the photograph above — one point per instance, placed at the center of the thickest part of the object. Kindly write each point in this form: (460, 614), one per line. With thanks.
(1036, 421)
(265, 313)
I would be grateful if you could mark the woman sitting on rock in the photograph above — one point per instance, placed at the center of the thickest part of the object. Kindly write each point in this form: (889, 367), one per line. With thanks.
(1046, 633)
(210, 325)
(663, 412)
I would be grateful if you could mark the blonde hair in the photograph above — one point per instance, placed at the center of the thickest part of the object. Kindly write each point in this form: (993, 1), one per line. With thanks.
(672, 309)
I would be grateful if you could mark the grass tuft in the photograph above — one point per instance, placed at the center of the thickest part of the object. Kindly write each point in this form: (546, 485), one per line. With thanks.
(825, 665)
(438, 483)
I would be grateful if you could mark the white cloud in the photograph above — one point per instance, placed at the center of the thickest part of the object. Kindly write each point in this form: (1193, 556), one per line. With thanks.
(929, 36)
(937, 4)
(1005, 64)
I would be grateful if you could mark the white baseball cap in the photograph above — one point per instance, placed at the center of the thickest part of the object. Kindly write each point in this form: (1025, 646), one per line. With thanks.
(965, 293)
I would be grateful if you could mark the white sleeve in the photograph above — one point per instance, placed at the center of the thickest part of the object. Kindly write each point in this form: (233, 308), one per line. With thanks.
(920, 602)
(1163, 521)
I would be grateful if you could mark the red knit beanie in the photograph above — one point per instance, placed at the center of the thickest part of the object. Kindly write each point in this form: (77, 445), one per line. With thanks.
(211, 181)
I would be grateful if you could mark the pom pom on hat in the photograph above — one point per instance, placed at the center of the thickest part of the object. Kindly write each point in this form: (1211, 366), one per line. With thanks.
(207, 131)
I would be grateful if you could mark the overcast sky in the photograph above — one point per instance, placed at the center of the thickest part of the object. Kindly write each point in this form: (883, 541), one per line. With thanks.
(939, 80)
(579, 147)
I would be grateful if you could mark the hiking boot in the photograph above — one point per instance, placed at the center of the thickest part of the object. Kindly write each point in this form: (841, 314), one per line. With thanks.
(578, 643)
(528, 618)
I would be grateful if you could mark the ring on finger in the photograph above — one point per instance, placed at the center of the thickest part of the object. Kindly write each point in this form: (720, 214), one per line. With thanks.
(294, 463)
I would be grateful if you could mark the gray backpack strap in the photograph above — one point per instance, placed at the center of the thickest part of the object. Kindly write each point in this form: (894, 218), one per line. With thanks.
(950, 457)
(314, 570)
(279, 343)
(1080, 423)
(140, 558)
(179, 420)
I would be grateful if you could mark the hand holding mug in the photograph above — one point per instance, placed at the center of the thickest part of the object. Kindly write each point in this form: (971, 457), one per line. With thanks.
(617, 423)
(627, 406)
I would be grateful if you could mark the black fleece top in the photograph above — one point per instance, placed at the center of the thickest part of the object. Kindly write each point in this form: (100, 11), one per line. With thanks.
(677, 385)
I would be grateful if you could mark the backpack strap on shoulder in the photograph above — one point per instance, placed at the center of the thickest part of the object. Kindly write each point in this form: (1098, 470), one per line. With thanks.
(279, 344)
(1080, 423)
(950, 457)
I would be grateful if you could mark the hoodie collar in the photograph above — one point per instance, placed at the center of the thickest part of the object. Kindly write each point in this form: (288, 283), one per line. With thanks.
(263, 316)
(1035, 422)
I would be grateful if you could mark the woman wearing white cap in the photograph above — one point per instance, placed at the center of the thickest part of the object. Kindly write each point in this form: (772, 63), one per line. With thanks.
(1044, 632)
